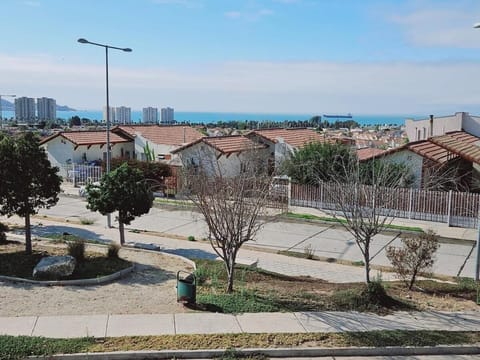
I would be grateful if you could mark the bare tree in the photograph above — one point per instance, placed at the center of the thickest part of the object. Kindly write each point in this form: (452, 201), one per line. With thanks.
(232, 196)
(364, 209)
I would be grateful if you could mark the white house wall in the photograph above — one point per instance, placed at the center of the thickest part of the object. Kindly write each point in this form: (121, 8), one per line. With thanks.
(159, 149)
(205, 156)
(61, 151)
(414, 161)
(420, 129)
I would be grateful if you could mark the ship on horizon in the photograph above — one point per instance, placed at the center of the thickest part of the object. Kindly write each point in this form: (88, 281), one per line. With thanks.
(338, 116)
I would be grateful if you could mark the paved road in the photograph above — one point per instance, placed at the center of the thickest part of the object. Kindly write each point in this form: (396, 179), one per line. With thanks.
(323, 239)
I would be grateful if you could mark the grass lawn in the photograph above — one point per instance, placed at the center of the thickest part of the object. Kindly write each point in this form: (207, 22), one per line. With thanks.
(14, 261)
(19, 347)
(259, 291)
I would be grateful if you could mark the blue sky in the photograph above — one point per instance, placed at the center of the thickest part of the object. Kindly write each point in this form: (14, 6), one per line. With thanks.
(291, 56)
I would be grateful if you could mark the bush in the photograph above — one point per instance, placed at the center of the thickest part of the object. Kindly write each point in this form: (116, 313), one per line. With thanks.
(309, 251)
(3, 236)
(191, 238)
(113, 250)
(85, 221)
(77, 250)
(416, 255)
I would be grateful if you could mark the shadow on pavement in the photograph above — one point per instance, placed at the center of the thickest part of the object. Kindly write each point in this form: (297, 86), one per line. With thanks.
(45, 231)
(192, 253)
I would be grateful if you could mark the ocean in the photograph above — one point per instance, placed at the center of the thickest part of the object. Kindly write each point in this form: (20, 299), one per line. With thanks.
(213, 117)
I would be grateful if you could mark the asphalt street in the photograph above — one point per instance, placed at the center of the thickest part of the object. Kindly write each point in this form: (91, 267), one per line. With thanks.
(324, 240)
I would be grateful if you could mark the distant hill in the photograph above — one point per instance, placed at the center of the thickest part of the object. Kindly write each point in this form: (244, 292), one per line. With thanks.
(9, 106)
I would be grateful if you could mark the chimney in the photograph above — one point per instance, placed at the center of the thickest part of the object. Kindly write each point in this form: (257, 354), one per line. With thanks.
(431, 125)
(184, 135)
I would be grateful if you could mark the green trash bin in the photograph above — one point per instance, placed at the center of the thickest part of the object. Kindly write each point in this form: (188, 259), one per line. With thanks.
(186, 288)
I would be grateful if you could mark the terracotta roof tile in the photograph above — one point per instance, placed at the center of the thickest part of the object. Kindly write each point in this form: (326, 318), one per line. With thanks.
(163, 134)
(225, 144)
(88, 137)
(369, 153)
(461, 144)
(296, 138)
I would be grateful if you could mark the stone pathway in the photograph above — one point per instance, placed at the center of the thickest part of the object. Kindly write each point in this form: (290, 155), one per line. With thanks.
(111, 325)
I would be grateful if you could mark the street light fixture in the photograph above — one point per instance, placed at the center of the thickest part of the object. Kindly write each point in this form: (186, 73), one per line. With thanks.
(1, 110)
(85, 41)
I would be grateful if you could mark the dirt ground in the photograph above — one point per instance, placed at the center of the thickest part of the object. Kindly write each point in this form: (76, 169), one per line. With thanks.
(149, 289)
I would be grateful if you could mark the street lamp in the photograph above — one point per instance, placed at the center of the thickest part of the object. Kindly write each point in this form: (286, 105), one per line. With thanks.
(1, 110)
(85, 41)
(477, 258)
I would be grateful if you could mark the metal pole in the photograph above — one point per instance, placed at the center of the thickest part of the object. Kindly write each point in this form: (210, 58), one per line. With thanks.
(109, 220)
(477, 259)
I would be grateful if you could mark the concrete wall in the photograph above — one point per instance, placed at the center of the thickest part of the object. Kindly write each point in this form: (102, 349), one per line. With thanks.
(421, 129)
(471, 124)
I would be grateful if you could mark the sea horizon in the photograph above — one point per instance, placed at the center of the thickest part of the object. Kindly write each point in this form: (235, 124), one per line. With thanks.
(214, 117)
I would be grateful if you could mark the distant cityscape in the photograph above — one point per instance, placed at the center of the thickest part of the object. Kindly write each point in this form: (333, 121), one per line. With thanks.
(29, 111)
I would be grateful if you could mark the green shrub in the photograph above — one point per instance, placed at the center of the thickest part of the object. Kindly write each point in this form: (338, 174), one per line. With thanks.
(77, 250)
(85, 221)
(113, 250)
(191, 238)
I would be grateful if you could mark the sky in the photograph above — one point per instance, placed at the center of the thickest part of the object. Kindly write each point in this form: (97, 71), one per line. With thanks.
(274, 56)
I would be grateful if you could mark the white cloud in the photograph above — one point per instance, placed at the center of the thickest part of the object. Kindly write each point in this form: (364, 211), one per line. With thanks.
(441, 27)
(302, 87)
(248, 15)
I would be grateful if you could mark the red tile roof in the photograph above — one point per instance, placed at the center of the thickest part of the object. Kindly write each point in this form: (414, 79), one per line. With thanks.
(461, 144)
(295, 137)
(80, 138)
(446, 147)
(369, 153)
(225, 144)
(162, 134)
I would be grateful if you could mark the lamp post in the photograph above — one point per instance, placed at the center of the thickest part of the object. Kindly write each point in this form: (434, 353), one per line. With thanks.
(477, 258)
(1, 110)
(85, 41)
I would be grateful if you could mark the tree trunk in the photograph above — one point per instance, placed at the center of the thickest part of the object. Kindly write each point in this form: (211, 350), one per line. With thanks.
(122, 233)
(28, 235)
(366, 258)
(230, 270)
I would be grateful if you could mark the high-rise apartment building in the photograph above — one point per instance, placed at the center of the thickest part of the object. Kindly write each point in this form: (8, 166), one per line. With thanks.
(150, 115)
(25, 109)
(46, 109)
(167, 115)
(123, 115)
(112, 114)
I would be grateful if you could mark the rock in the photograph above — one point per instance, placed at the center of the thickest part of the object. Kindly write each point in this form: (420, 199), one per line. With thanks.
(54, 267)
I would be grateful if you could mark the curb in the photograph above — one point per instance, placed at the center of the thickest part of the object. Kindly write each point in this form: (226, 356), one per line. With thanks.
(276, 352)
(93, 281)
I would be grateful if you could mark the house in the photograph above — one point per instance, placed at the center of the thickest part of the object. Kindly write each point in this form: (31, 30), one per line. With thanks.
(440, 125)
(83, 147)
(447, 161)
(225, 153)
(161, 139)
(281, 143)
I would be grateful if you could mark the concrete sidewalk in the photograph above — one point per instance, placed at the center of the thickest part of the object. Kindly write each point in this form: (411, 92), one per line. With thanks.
(110, 325)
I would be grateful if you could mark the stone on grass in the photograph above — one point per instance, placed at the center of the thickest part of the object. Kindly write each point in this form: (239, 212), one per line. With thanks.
(54, 267)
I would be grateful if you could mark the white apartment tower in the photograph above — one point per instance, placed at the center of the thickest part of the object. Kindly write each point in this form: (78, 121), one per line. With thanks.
(167, 115)
(46, 109)
(150, 115)
(123, 115)
(25, 109)
(112, 114)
